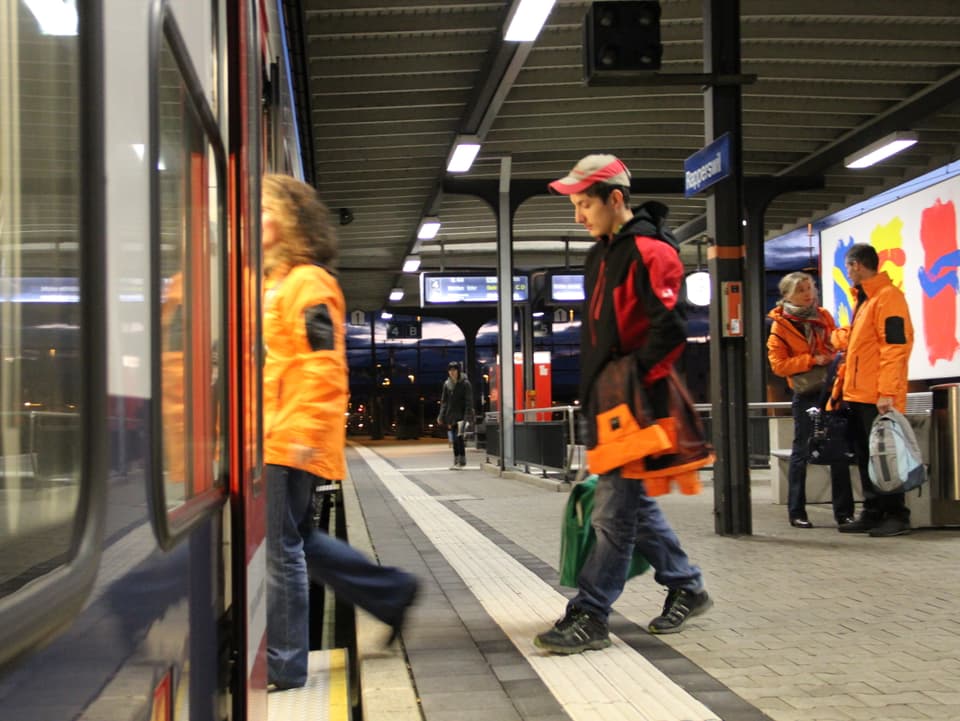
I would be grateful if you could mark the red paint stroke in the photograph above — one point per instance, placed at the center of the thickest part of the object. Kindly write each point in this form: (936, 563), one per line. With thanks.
(892, 255)
(938, 235)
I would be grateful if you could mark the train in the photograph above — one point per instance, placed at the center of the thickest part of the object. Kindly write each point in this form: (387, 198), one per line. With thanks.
(132, 520)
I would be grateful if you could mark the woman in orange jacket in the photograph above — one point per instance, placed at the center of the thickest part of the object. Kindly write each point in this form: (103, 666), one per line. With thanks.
(305, 395)
(799, 342)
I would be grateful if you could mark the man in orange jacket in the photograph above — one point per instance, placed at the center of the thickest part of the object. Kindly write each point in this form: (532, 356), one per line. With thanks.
(305, 395)
(877, 345)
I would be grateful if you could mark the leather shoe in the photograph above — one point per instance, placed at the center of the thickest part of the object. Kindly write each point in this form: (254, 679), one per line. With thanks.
(800, 523)
(845, 520)
(863, 524)
(890, 527)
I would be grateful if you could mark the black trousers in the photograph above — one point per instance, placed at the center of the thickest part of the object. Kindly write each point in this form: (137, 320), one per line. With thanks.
(875, 505)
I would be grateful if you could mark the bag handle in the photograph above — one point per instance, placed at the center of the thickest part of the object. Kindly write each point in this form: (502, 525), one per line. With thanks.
(832, 369)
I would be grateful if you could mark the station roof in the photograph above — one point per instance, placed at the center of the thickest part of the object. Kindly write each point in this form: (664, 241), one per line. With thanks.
(388, 87)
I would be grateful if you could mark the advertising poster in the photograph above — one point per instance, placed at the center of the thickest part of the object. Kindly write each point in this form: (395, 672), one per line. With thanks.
(916, 239)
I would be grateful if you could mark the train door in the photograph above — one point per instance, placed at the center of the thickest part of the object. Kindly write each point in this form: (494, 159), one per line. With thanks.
(247, 31)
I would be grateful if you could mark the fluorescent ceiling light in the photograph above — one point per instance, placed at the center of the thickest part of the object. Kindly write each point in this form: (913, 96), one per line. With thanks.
(883, 148)
(464, 151)
(527, 20)
(56, 17)
(429, 227)
(411, 264)
(385, 315)
(396, 294)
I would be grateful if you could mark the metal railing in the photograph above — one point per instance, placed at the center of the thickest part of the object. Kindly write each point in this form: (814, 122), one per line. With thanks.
(527, 452)
(30, 447)
(536, 427)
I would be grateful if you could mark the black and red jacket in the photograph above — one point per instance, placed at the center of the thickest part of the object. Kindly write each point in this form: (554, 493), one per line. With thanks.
(633, 284)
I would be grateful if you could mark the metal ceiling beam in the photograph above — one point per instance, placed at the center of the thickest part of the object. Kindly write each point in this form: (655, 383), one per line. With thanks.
(901, 117)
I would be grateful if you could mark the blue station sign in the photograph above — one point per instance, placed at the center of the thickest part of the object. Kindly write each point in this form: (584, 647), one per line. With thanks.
(707, 166)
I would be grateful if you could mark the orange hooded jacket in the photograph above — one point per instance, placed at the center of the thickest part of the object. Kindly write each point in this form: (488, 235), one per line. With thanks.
(305, 377)
(788, 351)
(877, 344)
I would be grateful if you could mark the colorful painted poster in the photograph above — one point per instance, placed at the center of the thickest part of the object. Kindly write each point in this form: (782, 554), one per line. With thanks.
(916, 239)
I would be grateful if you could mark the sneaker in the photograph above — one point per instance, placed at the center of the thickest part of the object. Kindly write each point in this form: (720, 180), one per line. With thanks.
(455, 467)
(680, 605)
(576, 632)
(890, 527)
(861, 525)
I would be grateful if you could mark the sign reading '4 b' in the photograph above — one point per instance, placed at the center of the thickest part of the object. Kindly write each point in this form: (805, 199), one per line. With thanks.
(403, 329)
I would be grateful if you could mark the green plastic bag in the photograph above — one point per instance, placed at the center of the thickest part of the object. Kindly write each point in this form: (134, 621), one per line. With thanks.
(578, 537)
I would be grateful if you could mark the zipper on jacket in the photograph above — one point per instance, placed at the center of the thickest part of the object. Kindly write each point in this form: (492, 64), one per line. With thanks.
(596, 302)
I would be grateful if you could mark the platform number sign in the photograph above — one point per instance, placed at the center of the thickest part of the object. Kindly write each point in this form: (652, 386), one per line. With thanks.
(358, 317)
(403, 329)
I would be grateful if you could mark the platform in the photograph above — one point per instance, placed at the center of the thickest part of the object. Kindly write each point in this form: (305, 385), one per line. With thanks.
(809, 625)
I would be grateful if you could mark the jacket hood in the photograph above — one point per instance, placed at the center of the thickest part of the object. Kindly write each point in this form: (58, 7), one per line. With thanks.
(649, 220)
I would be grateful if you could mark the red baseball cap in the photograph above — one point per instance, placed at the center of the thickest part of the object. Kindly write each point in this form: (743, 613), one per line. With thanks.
(608, 169)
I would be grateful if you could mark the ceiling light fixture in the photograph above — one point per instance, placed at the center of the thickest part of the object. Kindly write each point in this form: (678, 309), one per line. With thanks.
(55, 17)
(461, 157)
(526, 19)
(880, 150)
(429, 227)
(396, 294)
(411, 264)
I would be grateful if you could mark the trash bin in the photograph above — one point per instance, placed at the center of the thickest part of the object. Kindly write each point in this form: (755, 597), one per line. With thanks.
(945, 442)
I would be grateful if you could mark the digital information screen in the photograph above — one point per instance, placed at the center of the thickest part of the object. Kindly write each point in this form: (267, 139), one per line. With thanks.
(449, 289)
(566, 288)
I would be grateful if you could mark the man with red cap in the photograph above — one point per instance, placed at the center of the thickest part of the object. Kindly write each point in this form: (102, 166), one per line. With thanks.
(632, 278)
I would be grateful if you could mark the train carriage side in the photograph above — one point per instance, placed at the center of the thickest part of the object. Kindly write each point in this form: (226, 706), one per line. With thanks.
(131, 513)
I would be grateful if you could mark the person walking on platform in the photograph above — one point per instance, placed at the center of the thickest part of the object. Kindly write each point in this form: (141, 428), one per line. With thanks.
(632, 280)
(456, 411)
(799, 350)
(874, 379)
(305, 394)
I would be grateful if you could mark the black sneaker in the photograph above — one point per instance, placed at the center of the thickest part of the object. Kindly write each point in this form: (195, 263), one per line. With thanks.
(890, 527)
(680, 605)
(576, 632)
(861, 525)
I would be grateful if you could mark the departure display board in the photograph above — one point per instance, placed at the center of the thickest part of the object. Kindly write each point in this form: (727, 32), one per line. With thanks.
(466, 288)
(566, 287)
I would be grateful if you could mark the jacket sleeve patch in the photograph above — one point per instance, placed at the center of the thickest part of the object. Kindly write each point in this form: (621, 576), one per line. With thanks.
(893, 329)
(319, 327)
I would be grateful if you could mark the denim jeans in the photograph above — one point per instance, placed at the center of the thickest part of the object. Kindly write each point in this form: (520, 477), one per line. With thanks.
(295, 547)
(841, 492)
(624, 517)
(459, 446)
(289, 492)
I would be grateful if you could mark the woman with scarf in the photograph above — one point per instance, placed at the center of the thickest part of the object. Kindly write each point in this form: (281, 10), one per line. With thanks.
(799, 349)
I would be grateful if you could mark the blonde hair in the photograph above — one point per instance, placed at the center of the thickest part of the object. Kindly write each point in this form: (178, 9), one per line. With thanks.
(789, 282)
(307, 234)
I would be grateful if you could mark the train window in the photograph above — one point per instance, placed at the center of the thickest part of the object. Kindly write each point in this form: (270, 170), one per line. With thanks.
(39, 303)
(51, 396)
(189, 246)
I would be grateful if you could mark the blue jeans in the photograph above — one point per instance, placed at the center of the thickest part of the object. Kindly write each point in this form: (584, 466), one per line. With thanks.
(294, 548)
(624, 517)
(840, 489)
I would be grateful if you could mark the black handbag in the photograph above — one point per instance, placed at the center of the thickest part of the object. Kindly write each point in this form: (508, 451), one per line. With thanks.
(829, 440)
